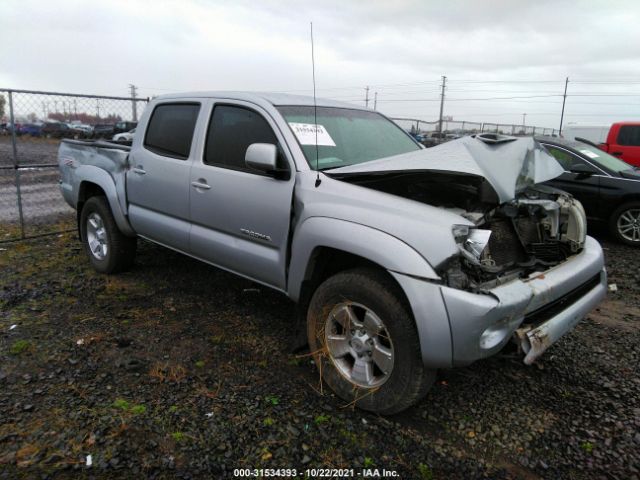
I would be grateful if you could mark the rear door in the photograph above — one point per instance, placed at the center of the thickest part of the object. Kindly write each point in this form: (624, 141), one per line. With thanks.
(241, 217)
(586, 188)
(158, 179)
(627, 144)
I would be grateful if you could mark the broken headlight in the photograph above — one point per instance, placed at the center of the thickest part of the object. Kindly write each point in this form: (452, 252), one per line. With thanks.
(471, 241)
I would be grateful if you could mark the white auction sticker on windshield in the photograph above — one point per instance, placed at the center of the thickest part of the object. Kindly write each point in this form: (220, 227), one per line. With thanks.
(589, 153)
(306, 133)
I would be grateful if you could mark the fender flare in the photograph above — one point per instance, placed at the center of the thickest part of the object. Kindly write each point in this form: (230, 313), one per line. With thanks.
(98, 176)
(388, 251)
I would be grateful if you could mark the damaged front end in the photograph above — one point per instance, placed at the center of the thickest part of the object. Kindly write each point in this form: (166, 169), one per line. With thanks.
(539, 229)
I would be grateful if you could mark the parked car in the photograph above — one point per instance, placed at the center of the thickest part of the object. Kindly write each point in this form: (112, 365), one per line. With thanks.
(623, 141)
(31, 129)
(124, 137)
(608, 188)
(123, 127)
(56, 130)
(84, 129)
(402, 260)
(103, 130)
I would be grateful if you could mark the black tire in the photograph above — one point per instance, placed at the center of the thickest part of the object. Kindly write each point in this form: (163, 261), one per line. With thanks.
(408, 380)
(633, 209)
(120, 251)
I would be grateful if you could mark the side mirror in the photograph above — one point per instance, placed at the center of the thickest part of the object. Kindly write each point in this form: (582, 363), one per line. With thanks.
(264, 158)
(582, 169)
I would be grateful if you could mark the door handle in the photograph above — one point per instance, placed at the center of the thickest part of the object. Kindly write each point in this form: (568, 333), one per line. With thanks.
(201, 185)
(139, 170)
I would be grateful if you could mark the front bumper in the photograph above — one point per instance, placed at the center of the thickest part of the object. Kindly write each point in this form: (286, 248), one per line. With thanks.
(540, 308)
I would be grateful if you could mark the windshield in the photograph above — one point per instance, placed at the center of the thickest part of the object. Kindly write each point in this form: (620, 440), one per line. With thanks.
(603, 158)
(345, 136)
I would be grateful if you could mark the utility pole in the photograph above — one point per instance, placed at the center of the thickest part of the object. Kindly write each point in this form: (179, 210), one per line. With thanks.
(75, 107)
(98, 109)
(134, 103)
(564, 99)
(524, 116)
(366, 100)
(375, 101)
(444, 82)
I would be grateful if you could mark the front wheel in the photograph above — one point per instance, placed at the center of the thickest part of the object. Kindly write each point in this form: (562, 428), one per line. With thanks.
(364, 340)
(109, 251)
(625, 224)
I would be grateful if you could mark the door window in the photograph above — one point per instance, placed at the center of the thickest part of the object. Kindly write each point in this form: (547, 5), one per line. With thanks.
(629, 135)
(170, 130)
(231, 130)
(566, 159)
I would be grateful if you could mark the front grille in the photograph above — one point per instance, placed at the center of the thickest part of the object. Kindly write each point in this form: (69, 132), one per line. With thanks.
(551, 309)
(547, 252)
(504, 244)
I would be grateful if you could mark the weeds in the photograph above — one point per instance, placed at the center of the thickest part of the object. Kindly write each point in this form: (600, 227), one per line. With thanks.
(19, 347)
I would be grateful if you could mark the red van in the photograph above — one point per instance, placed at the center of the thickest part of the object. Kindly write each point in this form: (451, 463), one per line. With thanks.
(623, 142)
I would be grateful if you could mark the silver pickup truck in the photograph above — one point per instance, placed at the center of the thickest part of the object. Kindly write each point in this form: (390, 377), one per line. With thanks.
(402, 259)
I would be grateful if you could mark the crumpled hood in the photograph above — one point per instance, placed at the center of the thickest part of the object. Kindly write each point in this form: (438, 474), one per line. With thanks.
(509, 164)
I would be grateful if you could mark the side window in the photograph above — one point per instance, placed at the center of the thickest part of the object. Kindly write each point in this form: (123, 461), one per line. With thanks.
(565, 158)
(170, 129)
(231, 131)
(629, 135)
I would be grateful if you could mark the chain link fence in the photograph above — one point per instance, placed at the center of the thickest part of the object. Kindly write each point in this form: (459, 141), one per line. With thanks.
(32, 124)
(457, 128)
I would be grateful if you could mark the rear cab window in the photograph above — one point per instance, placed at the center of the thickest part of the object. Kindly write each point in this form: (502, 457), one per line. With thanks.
(170, 130)
(629, 135)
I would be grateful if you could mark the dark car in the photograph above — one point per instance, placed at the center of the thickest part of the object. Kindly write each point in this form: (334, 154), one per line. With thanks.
(56, 130)
(103, 130)
(122, 127)
(30, 129)
(607, 187)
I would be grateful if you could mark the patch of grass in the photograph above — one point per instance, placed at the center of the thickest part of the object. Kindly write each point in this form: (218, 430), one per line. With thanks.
(121, 403)
(200, 364)
(19, 347)
(350, 436)
(262, 363)
(425, 472)
(587, 447)
(217, 339)
(321, 419)
(267, 422)
(178, 436)
(272, 399)
(368, 462)
(294, 361)
(138, 409)
(173, 408)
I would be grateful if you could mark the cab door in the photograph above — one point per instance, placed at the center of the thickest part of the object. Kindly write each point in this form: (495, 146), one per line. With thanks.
(627, 145)
(240, 217)
(158, 179)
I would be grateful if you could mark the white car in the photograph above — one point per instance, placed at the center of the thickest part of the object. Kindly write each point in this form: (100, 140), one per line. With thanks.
(124, 137)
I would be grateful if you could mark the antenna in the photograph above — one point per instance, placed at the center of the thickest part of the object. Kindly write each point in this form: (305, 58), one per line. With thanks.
(315, 108)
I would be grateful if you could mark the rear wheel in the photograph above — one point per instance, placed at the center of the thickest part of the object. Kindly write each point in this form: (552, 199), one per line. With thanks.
(109, 251)
(625, 224)
(364, 341)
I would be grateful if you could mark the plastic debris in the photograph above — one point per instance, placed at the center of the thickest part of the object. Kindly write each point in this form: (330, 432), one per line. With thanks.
(613, 287)
(13, 326)
(89, 460)
(209, 415)
(80, 342)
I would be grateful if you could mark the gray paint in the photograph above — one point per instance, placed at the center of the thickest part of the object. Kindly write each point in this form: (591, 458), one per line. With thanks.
(268, 230)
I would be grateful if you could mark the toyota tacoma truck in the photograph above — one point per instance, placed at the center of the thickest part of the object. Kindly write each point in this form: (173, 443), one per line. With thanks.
(402, 260)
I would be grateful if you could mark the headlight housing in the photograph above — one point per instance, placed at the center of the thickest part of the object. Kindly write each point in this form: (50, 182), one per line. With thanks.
(471, 241)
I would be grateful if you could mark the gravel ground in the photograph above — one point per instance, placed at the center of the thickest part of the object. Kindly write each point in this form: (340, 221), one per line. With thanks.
(179, 370)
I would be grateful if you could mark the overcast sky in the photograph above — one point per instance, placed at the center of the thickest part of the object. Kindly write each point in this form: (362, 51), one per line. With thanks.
(400, 48)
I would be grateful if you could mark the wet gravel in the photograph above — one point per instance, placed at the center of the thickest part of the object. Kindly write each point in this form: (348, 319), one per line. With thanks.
(179, 370)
